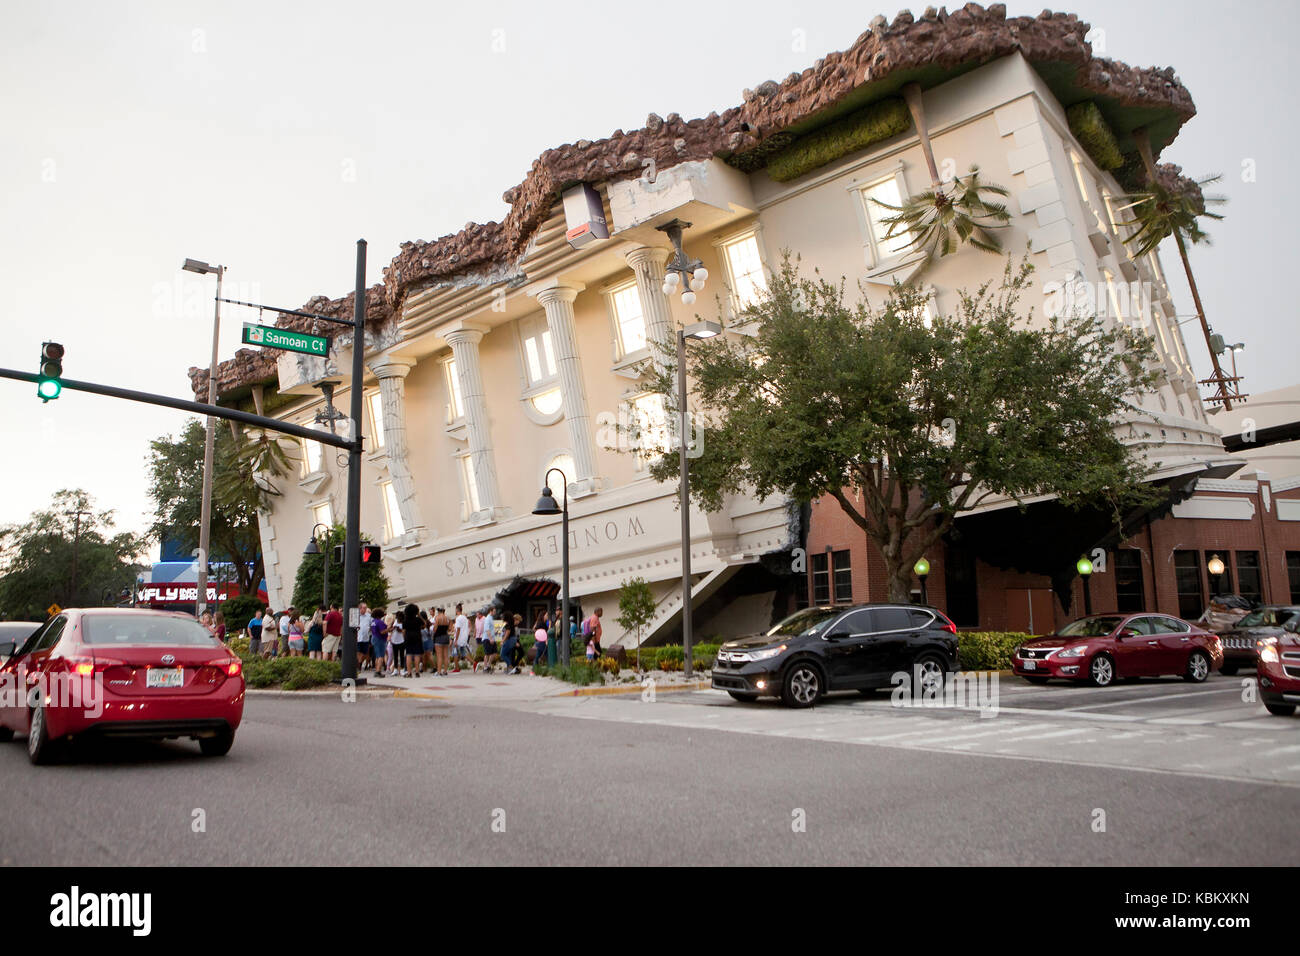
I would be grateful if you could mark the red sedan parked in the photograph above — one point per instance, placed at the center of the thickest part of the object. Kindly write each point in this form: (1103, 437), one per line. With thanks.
(1103, 647)
(1279, 671)
(121, 673)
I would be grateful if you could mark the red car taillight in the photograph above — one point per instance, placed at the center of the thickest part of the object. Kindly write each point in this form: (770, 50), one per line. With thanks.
(228, 667)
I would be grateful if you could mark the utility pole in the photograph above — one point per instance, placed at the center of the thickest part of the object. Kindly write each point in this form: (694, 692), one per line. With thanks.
(76, 544)
(352, 542)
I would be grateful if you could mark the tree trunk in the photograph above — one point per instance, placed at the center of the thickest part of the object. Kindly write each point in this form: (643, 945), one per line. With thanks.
(912, 96)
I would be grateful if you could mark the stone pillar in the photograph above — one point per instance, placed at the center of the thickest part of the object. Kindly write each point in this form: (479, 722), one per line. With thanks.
(464, 342)
(557, 300)
(391, 372)
(647, 264)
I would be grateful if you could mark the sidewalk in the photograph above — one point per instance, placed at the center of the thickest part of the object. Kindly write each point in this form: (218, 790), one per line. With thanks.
(470, 687)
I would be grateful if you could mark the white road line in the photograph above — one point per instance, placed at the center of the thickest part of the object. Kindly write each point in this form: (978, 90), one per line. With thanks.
(1055, 733)
(1149, 700)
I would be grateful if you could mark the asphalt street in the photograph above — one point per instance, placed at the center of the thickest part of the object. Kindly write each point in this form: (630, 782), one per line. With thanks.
(693, 778)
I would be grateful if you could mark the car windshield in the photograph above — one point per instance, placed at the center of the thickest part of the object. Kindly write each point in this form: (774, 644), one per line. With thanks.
(109, 629)
(808, 621)
(1090, 627)
(1266, 617)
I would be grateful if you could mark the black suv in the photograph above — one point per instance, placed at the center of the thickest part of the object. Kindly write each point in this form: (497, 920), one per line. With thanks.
(1239, 648)
(821, 649)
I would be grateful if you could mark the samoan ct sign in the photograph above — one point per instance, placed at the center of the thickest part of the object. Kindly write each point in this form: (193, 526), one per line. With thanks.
(286, 339)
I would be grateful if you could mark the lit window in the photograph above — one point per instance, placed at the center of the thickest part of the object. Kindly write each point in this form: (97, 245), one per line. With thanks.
(1083, 178)
(1117, 311)
(548, 402)
(629, 317)
(563, 461)
(311, 459)
(323, 514)
(649, 434)
(394, 514)
(377, 418)
(539, 356)
(469, 485)
(890, 192)
(745, 270)
(456, 406)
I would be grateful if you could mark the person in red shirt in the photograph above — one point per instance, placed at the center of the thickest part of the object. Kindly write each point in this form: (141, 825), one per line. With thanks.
(333, 633)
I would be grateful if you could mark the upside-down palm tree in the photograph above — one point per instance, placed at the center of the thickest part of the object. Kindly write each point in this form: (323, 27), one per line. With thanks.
(1162, 211)
(940, 219)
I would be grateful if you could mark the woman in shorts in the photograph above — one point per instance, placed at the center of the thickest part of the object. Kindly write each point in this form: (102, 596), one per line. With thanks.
(379, 641)
(297, 643)
(441, 639)
(316, 635)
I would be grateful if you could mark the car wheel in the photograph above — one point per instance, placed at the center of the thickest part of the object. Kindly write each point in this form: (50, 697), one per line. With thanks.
(742, 696)
(802, 685)
(1034, 680)
(40, 749)
(1228, 670)
(1102, 671)
(929, 674)
(1198, 668)
(219, 745)
(1280, 710)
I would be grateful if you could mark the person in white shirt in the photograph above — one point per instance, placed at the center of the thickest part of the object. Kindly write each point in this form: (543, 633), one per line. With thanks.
(365, 656)
(462, 635)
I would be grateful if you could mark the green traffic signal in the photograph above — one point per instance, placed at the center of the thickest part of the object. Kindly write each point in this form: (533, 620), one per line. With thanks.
(50, 367)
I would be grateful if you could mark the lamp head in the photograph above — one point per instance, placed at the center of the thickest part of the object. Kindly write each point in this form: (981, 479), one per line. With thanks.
(546, 504)
(1083, 566)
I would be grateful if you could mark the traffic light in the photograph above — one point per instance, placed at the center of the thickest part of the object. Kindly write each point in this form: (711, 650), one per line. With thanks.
(50, 370)
(370, 554)
(338, 555)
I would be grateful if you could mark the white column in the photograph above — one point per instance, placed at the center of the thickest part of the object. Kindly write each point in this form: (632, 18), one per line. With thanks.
(647, 264)
(391, 372)
(464, 347)
(557, 300)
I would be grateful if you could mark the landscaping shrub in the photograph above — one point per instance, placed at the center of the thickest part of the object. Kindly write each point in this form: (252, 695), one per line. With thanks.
(1094, 134)
(988, 650)
(291, 673)
(238, 610)
(239, 645)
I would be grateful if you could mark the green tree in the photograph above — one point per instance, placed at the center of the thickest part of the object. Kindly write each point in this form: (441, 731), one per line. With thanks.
(308, 584)
(908, 422)
(176, 486)
(54, 558)
(636, 606)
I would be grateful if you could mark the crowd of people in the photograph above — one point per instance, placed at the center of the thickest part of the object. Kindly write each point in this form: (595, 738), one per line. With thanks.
(411, 642)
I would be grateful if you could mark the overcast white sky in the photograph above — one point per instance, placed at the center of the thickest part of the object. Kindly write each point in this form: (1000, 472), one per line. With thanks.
(270, 136)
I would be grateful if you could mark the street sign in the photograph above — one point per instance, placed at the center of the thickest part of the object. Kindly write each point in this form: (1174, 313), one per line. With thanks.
(53, 609)
(286, 339)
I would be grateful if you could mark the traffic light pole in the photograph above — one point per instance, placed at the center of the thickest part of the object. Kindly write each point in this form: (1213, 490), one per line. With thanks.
(352, 544)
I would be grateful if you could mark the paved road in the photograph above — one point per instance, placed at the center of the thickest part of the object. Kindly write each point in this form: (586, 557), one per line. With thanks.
(384, 781)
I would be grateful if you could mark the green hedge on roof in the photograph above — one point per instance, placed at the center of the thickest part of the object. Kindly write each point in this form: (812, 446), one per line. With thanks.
(872, 124)
(1094, 134)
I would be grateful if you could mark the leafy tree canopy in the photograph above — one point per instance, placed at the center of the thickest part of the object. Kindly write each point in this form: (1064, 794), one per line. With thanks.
(37, 559)
(309, 583)
(908, 421)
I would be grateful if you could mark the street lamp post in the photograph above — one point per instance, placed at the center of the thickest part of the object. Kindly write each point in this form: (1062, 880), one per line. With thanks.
(1216, 568)
(1084, 567)
(312, 548)
(698, 330)
(922, 569)
(205, 517)
(547, 505)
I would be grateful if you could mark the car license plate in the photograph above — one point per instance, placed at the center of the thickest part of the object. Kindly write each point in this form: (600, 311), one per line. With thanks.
(165, 677)
(1031, 665)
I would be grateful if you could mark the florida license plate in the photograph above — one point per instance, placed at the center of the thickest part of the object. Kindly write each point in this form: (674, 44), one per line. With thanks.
(1031, 665)
(165, 677)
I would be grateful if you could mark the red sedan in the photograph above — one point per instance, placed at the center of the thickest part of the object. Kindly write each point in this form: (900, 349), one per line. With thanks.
(121, 673)
(1278, 669)
(1103, 647)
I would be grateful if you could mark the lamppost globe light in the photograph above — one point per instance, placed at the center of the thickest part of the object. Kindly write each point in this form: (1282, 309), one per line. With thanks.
(697, 284)
(922, 567)
(1215, 566)
(667, 289)
(672, 279)
(688, 298)
(702, 274)
(1083, 566)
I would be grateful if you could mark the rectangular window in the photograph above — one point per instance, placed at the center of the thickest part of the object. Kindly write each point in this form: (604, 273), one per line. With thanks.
(539, 356)
(311, 458)
(457, 406)
(890, 192)
(629, 318)
(376, 401)
(1117, 310)
(1248, 579)
(1087, 190)
(1130, 595)
(650, 436)
(821, 579)
(1293, 575)
(744, 264)
(1187, 580)
(323, 514)
(469, 484)
(392, 512)
(843, 575)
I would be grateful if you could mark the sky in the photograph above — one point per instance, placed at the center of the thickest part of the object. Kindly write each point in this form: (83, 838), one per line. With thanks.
(270, 136)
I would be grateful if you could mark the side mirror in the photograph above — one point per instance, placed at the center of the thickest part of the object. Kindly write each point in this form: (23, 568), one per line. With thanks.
(1127, 632)
(837, 635)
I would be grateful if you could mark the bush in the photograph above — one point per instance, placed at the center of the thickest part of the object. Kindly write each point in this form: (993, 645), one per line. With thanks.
(578, 672)
(988, 650)
(857, 131)
(608, 665)
(291, 673)
(1094, 134)
(238, 610)
(239, 645)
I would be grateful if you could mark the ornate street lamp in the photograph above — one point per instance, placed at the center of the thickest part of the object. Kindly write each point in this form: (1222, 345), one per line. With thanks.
(547, 505)
(1084, 567)
(1216, 568)
(682, 272)
(922, 570)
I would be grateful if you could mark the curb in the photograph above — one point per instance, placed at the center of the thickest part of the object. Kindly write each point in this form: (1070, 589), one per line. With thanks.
(630, 689)
(398, 692)
(313, 692)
